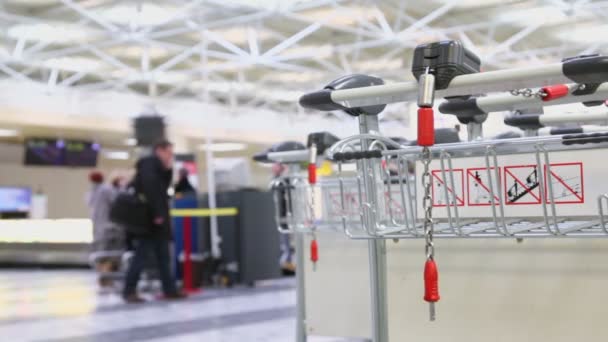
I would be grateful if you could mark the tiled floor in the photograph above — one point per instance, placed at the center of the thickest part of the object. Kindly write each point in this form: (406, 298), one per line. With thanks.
(65, 306)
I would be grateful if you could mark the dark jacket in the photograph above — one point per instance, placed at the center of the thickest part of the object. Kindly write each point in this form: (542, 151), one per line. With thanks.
(153, 180)
(184, 187)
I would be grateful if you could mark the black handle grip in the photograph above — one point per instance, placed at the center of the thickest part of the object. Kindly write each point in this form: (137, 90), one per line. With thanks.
(589, 138)
(524, 121)
(586, 69)
(345, 156)
(319, 100)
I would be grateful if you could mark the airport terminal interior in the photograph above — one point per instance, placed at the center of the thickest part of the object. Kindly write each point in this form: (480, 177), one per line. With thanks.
(303, 170)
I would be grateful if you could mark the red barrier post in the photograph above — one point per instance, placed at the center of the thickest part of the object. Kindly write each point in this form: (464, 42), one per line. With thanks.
(187, 250)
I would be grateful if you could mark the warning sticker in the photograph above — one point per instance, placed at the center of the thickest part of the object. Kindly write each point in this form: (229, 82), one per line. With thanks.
(454, 194)
(567, 182)
(522, 185)
(478, 186)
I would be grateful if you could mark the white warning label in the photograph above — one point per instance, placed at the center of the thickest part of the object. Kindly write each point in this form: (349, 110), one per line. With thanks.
(479, 188)
(573, 182)
(566, 182)
(522, 185)
(448, 193)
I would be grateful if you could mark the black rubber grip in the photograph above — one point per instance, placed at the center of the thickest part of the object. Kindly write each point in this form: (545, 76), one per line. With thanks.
(590, 138)
(320, 100)
(459, 106)
(345, 156)
(587, 69)
(566, 130)
(524, 121)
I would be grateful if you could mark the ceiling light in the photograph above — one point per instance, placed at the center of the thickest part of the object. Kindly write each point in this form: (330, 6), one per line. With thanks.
(50, 33)
(585, 34)
(136, 52)
(295, 77)
(546, 15)
(170, 77)
(376, 65)
(131, 142)
(316, 51)
(470, 4)
(240, 35)
(343, 16)
(117, 155)
(32, 2)
(143, 14)
(223, 147)
(77, 64)
(279, 95)
(5, 133)
(265, 4)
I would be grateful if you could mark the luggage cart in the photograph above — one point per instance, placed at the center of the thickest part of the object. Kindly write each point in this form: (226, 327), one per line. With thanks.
(473, 111)
(299, 200)
(441, 213)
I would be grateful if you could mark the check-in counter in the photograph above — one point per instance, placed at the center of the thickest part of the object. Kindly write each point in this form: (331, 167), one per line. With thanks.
(45, 241)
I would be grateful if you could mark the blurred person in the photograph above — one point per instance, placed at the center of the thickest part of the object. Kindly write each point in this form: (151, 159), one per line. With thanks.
(286, 260)
(183, 186)
(118, 183)
(152, 180)
(107, 236)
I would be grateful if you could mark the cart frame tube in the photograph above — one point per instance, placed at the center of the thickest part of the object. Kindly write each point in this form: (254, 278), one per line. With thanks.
(376, 248)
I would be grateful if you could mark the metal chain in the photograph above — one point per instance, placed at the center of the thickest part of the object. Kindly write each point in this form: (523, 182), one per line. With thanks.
(427, 204)
(527, 92)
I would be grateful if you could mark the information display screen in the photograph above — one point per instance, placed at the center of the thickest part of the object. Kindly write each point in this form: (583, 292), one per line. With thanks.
(59, 152)
(41, 151)
(15, 199)
(81, 153)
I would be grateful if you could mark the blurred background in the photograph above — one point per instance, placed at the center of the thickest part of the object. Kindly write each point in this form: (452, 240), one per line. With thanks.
(221, 80)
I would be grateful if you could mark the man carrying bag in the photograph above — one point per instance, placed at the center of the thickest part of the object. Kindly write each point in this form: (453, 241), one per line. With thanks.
(150, 204)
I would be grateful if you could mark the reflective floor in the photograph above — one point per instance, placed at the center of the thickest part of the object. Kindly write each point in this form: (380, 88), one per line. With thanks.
(66, 306)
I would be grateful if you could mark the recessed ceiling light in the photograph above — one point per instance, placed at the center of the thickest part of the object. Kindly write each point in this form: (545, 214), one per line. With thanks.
(50, 33)
(223, 147)
(131, 142)
(585, 34)
(77, 64)
(117, 155)
(146, 14)
(8, 133)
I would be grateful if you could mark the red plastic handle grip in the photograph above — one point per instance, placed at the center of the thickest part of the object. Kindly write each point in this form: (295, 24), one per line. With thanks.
(555, 92)
(431, 282)
(312, 173)
(314, 251)
(426, 127)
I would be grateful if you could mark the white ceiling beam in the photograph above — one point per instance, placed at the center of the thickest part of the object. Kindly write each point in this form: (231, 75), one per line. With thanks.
(327, 24)
(109, 59)
(69, 81)
(228, 45)
(307, 31)
(514, 39)
(91, 16)
(52, 82)
(13, 73)
(194, 27)
(18, 50)
(177, 15)
(383, 22)
(436, 14)
(252, 40)
(179, 58)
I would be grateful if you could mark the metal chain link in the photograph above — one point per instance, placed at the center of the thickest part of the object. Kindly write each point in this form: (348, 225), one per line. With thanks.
(427, 204)
(527, 92)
